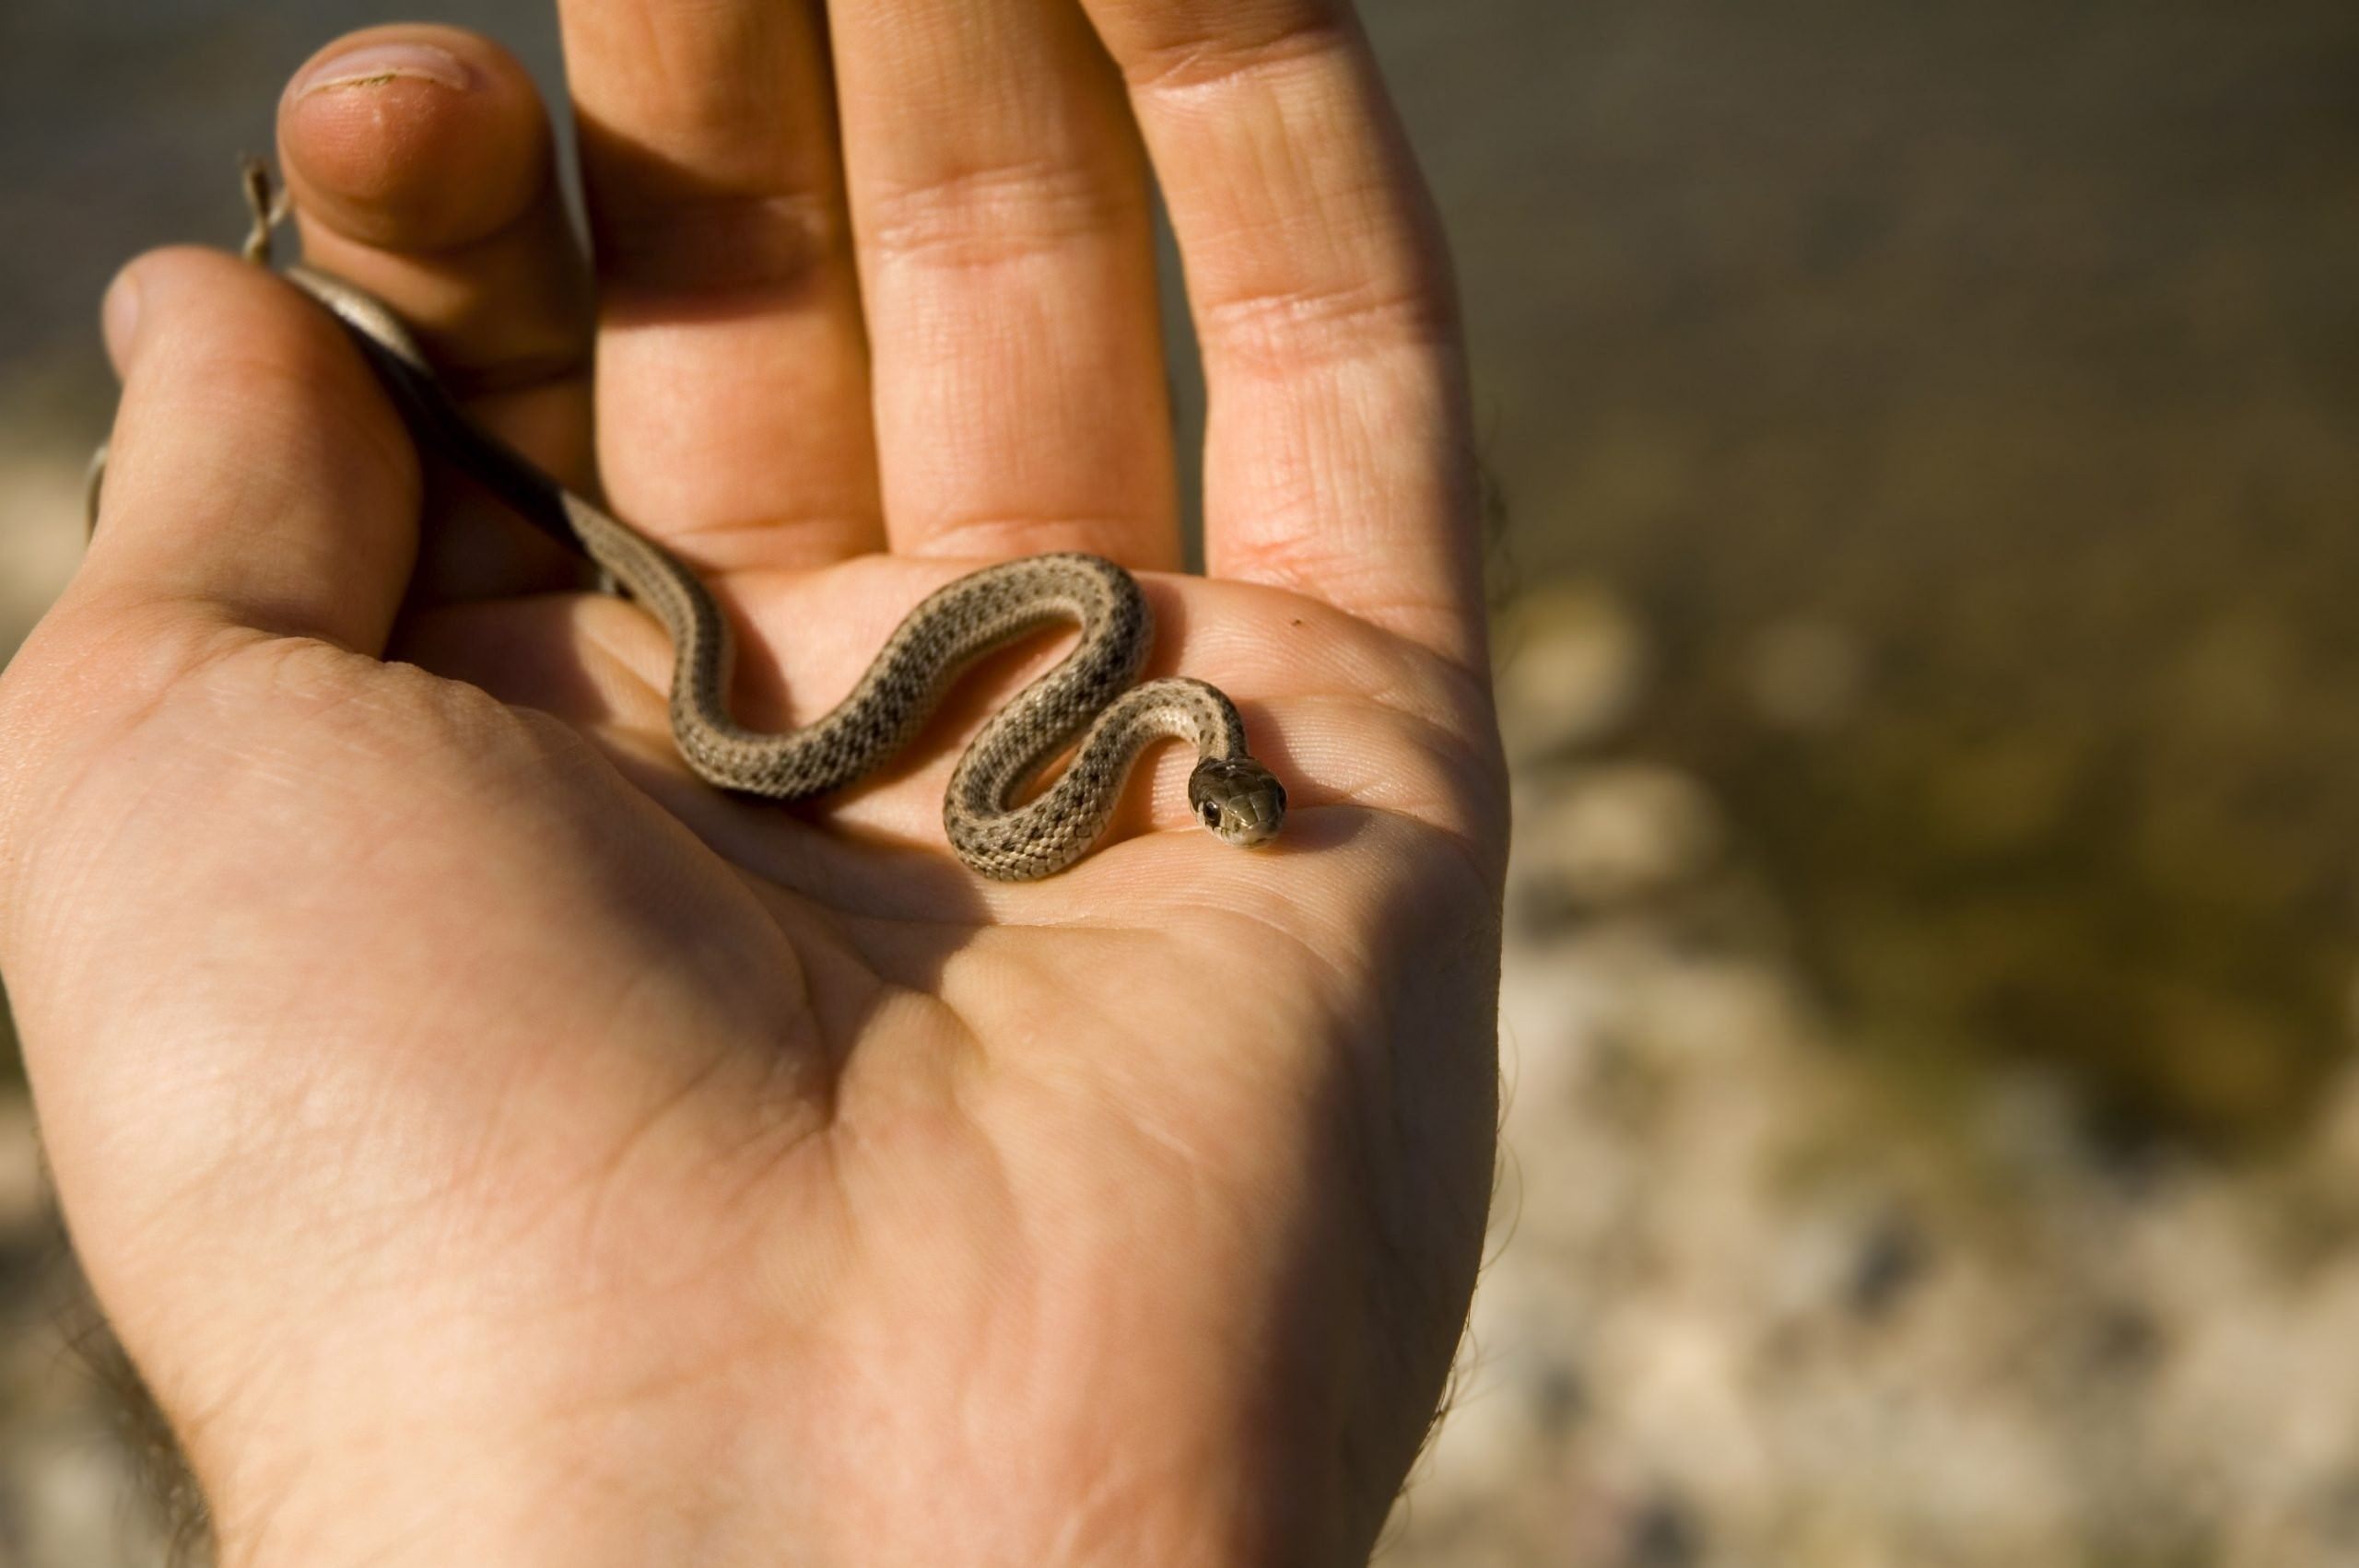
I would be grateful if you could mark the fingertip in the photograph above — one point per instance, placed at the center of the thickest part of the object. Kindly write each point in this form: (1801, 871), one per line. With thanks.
(254, 470)
(168, 295)
(119, 318)
(414, 137)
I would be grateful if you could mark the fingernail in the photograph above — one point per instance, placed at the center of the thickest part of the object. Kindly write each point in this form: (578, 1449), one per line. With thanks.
(119, 318)
(372, 63)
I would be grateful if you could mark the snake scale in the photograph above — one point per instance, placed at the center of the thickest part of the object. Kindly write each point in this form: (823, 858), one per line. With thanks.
(1089, 694)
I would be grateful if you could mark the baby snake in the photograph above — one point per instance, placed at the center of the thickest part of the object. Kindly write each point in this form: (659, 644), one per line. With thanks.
(1089, 693)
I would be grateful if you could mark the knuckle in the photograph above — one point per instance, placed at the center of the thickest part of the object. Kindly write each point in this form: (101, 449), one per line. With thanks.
(1211, 46)
(993, 215)
(1291, 328)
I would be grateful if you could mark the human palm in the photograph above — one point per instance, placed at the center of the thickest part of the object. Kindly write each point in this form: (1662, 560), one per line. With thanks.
(496, 1146)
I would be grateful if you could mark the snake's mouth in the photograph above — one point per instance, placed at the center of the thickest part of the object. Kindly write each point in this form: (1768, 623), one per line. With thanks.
(1249, 819)
(1252, 821)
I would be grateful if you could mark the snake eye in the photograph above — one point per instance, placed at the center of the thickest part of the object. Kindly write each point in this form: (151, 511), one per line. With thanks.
(1212, 813)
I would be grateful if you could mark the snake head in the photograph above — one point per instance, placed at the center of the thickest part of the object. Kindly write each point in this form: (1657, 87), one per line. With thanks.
(1238, 799)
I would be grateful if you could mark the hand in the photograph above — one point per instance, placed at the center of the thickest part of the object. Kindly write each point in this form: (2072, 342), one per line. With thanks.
(496, 1147)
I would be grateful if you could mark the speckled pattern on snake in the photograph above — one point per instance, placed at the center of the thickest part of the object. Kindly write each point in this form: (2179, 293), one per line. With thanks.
(1089, 693)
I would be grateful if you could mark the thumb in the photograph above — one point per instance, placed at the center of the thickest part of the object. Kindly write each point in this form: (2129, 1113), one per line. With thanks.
(256, 480)
(258, 487)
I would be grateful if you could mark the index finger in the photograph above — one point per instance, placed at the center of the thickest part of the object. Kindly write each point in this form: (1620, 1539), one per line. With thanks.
(1338, 454)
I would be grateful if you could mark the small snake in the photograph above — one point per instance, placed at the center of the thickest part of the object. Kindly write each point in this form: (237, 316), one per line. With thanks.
(1089, 693)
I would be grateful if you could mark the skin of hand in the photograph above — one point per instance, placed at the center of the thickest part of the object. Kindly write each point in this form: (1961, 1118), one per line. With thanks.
(494, 1146)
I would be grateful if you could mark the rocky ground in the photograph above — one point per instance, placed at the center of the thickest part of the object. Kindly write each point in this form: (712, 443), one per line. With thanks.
(1760, 1297)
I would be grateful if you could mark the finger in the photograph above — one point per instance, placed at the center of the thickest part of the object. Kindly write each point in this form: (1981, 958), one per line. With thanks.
(420, 165)
(733, 390)
(1000, 205)
(1338, 458)
(255, 479)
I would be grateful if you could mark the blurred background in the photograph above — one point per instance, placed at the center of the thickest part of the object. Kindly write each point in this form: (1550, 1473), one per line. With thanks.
(1926, 440)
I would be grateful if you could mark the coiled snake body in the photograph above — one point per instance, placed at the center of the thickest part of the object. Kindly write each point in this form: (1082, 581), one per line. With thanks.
(1089, 693)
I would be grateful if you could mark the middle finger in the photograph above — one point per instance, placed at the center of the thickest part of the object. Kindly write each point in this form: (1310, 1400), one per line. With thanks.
(1000, 210)
(732, 385)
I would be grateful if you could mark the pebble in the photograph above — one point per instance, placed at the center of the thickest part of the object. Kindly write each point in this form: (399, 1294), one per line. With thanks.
(1572, 666)
(1612, 833)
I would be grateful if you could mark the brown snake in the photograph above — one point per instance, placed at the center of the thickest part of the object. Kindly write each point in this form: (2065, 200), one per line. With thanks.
(1089, 693)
